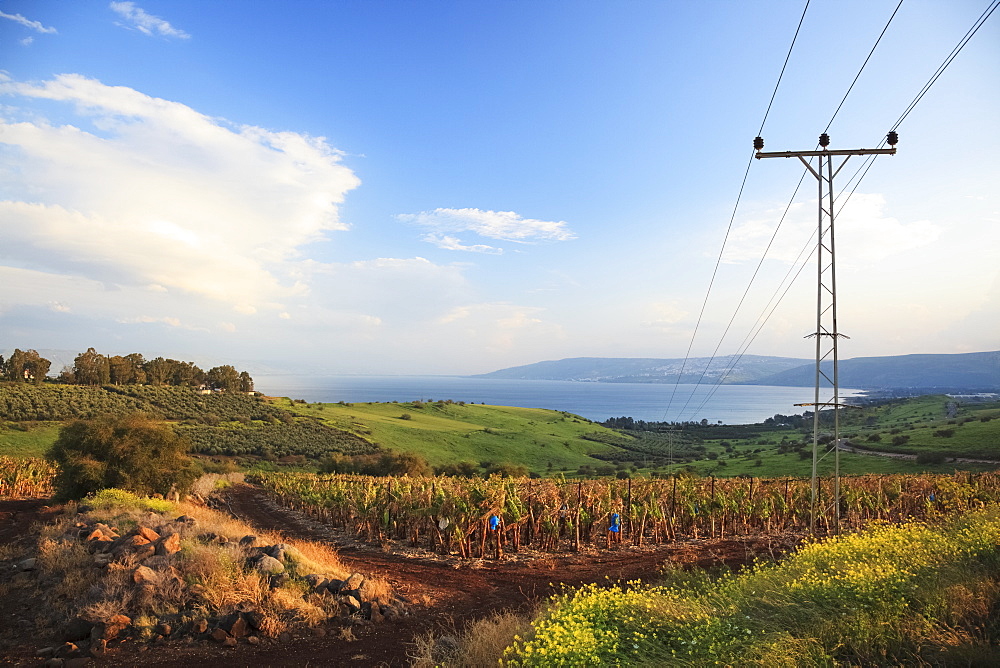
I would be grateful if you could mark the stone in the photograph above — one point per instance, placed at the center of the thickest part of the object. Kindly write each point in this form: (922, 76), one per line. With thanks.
(229, 642)
(163, 629)
(67, 649)
(200, 626)
(190, 521)
(110, 628)
(352, 604)
(45, 652)
(168, 545)
(145, 575)
(285, 636)
(53, 663)
(248, 541)
(254, 619)
(334, 585)
(147, 533)
(99, 648)
(219, 634)
(268, 564)
(279, 580)
(253, 640)
(234, 625)
(354, 582)
(77, 629)
(276, 551)
(25, 565)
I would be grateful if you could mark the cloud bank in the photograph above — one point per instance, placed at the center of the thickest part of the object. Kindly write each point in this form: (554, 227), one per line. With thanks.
(147, 194)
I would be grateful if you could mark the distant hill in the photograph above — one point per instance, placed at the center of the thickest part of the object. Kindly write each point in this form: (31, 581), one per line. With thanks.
(749, 369)
(964, 371)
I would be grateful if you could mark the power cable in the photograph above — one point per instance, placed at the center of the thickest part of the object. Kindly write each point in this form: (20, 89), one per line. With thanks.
(768, 248)
(739, 196)
(862, 169)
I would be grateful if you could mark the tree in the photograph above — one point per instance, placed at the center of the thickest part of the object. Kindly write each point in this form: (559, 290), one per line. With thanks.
(91, 368)
(25, 366)
(246, 382)
(223, 377)
(128, 452)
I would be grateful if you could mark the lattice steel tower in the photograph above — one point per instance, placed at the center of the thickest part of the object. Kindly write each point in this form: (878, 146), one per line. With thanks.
(826, 333)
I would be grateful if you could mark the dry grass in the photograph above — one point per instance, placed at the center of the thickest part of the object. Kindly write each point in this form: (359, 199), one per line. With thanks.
(207, 578)
(479, 643)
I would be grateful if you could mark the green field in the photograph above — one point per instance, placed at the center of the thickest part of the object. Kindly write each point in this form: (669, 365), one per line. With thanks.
(446, 433)
(27, 440)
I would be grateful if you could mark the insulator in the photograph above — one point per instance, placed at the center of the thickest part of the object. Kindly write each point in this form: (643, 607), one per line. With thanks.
(824, 140)
(758, 143)
(892, 138)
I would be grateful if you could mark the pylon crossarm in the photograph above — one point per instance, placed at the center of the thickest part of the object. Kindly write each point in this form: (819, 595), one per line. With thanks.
(824, 152)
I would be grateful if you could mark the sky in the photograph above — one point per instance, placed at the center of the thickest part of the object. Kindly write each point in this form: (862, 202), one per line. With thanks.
(458, 186)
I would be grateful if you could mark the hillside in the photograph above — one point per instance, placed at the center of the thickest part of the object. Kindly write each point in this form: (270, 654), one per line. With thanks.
(964, 371)
(940, 373)
(749, 368)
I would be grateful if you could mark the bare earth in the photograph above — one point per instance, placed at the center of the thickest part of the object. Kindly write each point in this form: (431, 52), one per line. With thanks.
(446, 591)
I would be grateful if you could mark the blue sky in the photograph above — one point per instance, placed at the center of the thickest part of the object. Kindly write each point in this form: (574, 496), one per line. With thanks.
(457, 187)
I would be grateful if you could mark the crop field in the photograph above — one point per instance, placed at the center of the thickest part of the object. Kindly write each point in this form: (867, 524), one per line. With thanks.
(25, 477)
(484, 517)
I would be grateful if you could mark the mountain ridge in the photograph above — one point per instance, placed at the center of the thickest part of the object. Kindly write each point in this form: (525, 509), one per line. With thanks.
(967, 371)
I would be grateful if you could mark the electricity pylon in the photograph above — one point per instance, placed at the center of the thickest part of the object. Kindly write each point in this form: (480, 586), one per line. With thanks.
(826, 333)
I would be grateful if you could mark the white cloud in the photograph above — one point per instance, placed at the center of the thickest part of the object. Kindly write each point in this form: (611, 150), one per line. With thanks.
(453, 243)
(159, 197)
(864, 233)
(28, 23)
(27, 41)
(502, 225)
(139, 19)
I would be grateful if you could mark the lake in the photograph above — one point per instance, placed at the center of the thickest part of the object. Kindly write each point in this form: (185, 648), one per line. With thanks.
(732, 404)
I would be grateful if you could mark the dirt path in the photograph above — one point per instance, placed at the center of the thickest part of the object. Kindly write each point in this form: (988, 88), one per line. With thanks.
(446, 592)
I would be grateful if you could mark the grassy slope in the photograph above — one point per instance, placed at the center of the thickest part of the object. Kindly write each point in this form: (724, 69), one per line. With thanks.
(447, 433)
(31, 443)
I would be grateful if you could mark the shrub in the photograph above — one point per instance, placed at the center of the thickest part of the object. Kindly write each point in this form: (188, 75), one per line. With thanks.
(931, 458)
(130, 452)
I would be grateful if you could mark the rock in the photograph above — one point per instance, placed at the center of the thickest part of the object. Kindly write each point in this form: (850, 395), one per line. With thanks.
(145, 575)
(285, 636)
(354, 582)
(234, 625)
(77, 629)
(276, 551)
(168, 545)
(190, 521)
(25, 565)
(53, 663)
(317, 581)
(253, 640)
(352, 604)
(147, 533)
(229, 642)
(200, 626)
(66, 650)
(268, 564)
(279, 580)
(45, 652)
(219, 634)
(128, 545)
(109, 629)
(334, 585)
(99, 648)
(254, 619)
(248, 541)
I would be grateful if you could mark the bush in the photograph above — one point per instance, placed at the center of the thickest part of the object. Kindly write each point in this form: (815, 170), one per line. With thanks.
(931, 458)
(130, 452)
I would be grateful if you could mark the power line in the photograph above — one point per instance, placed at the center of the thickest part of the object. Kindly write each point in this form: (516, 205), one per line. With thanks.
(739, 196)
(718, 346)
(863, 170)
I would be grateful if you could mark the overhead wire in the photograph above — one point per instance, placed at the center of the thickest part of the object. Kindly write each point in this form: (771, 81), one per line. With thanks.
(863, 169)
(732, 218)
(725, 332)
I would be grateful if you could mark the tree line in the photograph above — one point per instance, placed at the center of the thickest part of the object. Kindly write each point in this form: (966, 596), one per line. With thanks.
(93, 368)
